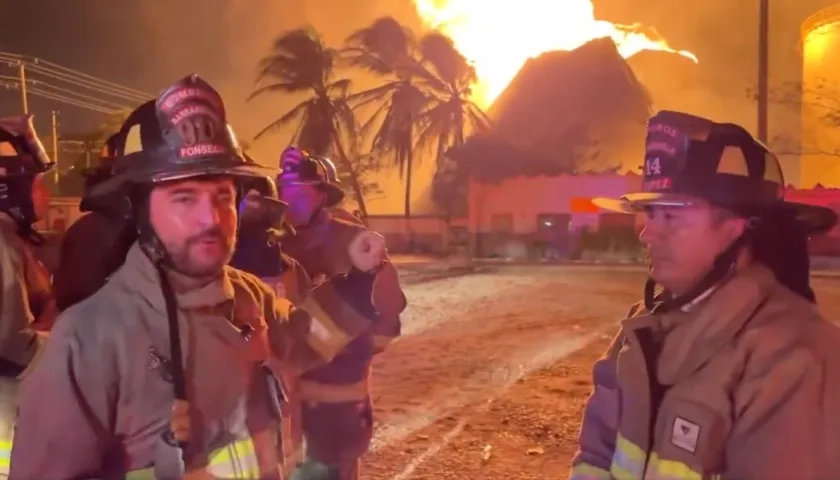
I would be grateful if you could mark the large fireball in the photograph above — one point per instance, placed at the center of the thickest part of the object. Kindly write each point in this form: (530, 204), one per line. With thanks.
(499, 36)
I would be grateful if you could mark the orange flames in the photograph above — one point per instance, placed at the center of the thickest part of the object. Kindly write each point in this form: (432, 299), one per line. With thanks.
(498, 36)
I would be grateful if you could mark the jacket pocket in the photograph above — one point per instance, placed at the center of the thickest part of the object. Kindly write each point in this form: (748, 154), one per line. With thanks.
(690, 439)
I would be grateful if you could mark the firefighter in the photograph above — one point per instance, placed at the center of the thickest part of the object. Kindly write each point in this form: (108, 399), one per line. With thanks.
(726, 369)
(26, 296)
(162, 372)
(258, 251)
(336, 405)
(95, 245)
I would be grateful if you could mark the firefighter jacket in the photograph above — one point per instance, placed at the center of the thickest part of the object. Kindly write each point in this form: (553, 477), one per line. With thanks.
(99, 400)
(337, 418)
(256, 254)
(92, 249)
(25, 285)
(741, 385)
(323, 251)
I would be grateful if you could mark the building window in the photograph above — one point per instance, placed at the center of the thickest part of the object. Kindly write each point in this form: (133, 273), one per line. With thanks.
(501, 223)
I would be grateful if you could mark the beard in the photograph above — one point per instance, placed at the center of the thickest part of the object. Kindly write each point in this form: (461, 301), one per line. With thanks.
(192, 258)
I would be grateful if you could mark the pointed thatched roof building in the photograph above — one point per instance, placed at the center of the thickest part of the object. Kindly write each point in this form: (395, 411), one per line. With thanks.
(577, 111)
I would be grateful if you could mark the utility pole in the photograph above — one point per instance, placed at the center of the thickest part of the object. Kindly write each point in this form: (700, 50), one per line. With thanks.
(763, 47)
(22, 78)
(55, 147)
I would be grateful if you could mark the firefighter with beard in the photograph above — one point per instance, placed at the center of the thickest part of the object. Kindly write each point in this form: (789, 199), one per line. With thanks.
(96, 244)
(337, 413)
(728, 371)
(26, 300)
(162, 373)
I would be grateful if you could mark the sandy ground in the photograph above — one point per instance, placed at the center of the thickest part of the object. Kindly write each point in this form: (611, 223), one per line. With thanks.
(493, 370)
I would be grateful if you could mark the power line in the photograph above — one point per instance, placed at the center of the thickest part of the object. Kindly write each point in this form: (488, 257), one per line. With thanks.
(72, 75)
(102, 95)
(102, 89)
(15, 85)
(59, 90)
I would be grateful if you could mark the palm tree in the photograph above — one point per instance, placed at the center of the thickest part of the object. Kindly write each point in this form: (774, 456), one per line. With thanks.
(450, 117)
(300, 62)
(388, 49)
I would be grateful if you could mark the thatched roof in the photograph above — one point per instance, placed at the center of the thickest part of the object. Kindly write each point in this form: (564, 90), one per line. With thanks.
(561, 107)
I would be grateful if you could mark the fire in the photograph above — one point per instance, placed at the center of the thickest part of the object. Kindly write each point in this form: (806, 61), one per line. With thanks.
(499, 36)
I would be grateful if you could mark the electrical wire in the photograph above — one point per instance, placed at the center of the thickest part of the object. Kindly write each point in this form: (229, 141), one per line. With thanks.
(82, 83)
(59, 90)
(59, 98)
(73, 76)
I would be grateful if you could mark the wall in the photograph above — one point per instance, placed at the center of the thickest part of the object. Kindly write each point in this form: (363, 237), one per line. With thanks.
(419, 234)
(525, 197)
(528, 216)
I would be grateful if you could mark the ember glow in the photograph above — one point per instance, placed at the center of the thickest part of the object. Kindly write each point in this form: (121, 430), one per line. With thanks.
(499, 36)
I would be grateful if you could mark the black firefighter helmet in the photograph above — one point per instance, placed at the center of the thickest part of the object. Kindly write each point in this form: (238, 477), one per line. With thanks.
(182, 134)
(690, 158)
(22, 158)
(299, 167)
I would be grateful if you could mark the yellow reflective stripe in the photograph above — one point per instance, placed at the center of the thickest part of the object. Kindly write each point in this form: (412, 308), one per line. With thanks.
(628, 460)
(5, 455)
(142, 474)
(585, 471)
(660, 469)
(235, 460)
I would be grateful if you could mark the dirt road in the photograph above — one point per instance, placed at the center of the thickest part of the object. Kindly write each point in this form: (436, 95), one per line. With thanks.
(493, 369)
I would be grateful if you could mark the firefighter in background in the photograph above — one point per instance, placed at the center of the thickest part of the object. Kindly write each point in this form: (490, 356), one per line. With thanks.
(336, 405)
(258, 251)
(26, 299)
(729, 371)
(163, 372)
(95, 245)
(263, 228)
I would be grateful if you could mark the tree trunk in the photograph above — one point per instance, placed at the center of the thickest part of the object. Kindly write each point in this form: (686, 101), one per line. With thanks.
(409, 157)
(409, 160)
(357, 188)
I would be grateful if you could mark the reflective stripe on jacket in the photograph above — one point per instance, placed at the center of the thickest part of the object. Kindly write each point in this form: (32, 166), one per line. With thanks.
(745, 387)
(237, 460)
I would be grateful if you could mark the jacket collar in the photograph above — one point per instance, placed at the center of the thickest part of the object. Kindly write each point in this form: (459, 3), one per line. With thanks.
(139, 275)
(691, 337)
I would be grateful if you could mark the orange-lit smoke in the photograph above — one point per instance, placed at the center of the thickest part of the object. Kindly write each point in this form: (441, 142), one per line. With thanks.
(498, 36)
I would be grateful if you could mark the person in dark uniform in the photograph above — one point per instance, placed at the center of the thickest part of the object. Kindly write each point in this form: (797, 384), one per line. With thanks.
(335, 247)
(258, 251)
(94, 246)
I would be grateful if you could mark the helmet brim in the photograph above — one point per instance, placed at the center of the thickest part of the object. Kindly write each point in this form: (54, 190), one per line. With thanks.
(814, 219)
(334, 194)
(119, 181)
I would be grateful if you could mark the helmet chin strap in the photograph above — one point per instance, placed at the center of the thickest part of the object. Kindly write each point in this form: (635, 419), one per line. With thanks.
(721, 268)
